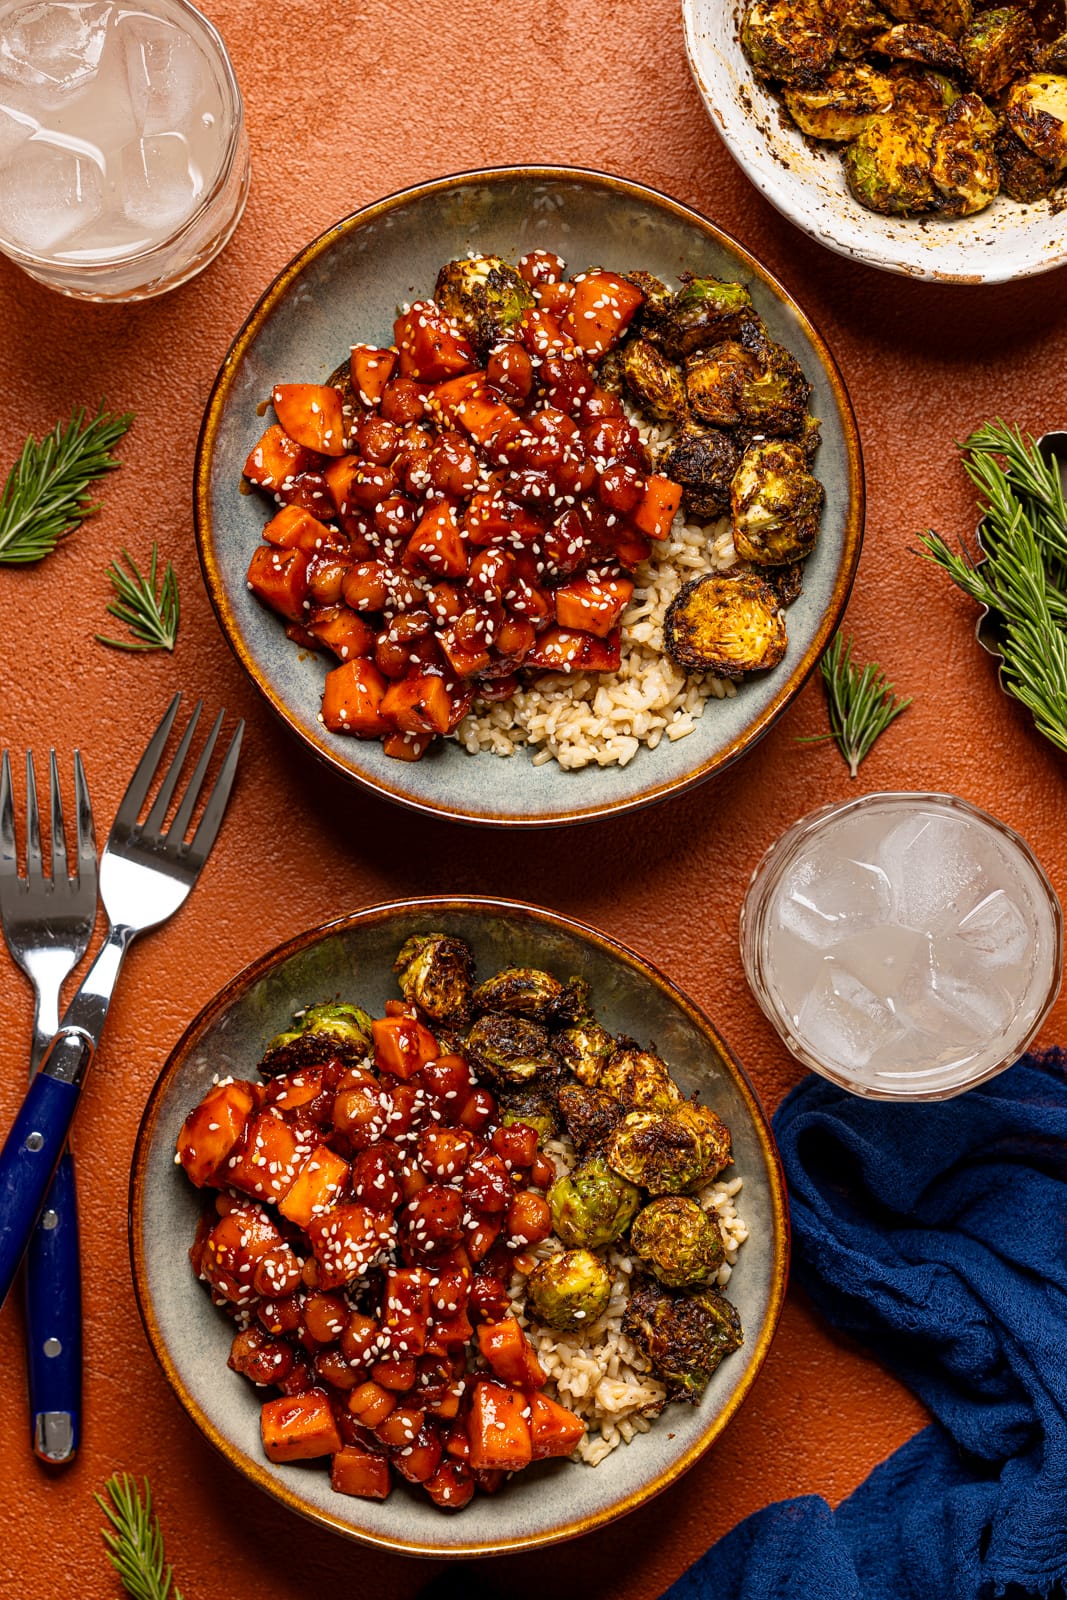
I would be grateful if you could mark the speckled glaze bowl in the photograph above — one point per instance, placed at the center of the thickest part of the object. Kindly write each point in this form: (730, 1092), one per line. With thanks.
(346, 286)
(806, 181)
(353, 957)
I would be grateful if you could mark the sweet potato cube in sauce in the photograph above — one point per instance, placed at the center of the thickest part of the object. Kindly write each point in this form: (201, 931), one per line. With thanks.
(436, 547)
(277, 459)
(270, 1158)
(401, 1045)
(593, 605)
(510, 1354)
(601, 307)
(210, 1131)
(352, 698)
(346, 1241)
(370, 368)
(299, 1427)
(432, 347)
(280, 579)
(499, 1432)
(554, 1431)
(655, 512)
(418, 705)
(311, 414)
(355, 1471)
(296, 529)
(315, 1187)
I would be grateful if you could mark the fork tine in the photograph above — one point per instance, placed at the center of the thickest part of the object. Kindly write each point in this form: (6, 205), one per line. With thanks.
(85, 831)
(210, 822)
(139, 785)
(153, 823)
(59, 841)
(177, 830)
(34, 860)
(8, 856)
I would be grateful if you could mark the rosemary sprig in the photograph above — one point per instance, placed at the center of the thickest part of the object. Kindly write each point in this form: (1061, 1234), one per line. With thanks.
(1022, 574)
(134, 1541)
(860, 702)
(151, 614)
(46, 495)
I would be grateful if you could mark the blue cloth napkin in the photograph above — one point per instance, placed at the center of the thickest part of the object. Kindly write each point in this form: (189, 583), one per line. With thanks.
(936, 1235)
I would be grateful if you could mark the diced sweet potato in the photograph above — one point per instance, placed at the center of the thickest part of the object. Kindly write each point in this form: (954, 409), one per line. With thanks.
(451, 1487)
(432, 347)
(407, 1309)
(355, 1471)
(601, 307)
(593, 604)
(311, 414)
(352, 698)
(296, 529)
(270, 1158)
(436, 547)
(346, 1241)
(510, 1354)
(371, 368)
(277, 459)
(341, 630)
(212, 1129)
(655, 512)
(447, 397)
(554, 1431)
(419, 704)
(402, 1045)
(499, 1432)
(315, 1187)
(567, 650)
(280, 579)
(299, 1427)
(406, 746)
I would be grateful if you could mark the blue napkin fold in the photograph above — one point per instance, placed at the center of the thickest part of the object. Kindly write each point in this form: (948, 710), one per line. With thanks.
(937, 1235)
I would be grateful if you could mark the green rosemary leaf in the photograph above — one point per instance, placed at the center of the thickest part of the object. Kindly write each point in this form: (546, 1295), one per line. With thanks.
(46, 495)
(134, 1540)
(150, 613)
(860, 702)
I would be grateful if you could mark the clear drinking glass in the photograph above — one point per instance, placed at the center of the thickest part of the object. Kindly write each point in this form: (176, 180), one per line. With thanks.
(906, 946)
(123, 153)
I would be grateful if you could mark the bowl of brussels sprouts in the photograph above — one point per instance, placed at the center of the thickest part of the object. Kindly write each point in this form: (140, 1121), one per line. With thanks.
(707, 1343)
(926, 137)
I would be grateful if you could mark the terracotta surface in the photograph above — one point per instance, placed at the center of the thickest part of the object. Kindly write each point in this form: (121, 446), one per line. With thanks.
(346, 104)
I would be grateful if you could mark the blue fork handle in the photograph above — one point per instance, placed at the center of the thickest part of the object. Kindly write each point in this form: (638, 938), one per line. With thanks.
(28, 1159)
(53, 1321)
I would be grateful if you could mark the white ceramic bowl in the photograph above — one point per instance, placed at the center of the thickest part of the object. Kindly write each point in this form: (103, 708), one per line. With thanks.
(807, 182)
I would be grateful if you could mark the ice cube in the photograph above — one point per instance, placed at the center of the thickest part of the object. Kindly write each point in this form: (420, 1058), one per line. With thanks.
(164, 70)
(946, 995)
(14, 131)
(53, 49)
(47, 195)
(843, 1022)
(159, 189)
(930, 864)
(997, 930)
(824, 900)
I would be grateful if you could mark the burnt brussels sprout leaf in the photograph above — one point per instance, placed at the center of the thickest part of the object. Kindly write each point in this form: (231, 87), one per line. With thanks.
(887, 165)
(592, 1205)
(486, 296)
(703, 461)
(677, 1242)
(583, 1049)
(776, 504)
(590, 1116)
(837, 107)
(914, 41)
(435, 973)
(324, 1031)
(965, 167)
(638, 1079)
(703, 312)
(668, 1152)
(1023, 176)
(652, 381)
(858, 22)
(535, 1107)
(947, 16)
(521, 992)
(787, 39)
(1036, 112)
(1052, 57)
(922, 90)
(657, 298)
(715, 380)
(510, 1050)
(997, 47)
(569, 1291)
(725, 625)
(684, 1334)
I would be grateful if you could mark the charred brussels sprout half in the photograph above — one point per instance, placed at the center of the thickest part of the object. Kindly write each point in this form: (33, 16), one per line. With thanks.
(569, 1291)
(486, 296)
(1023, 176)
(510, 1050)
(536, 1107)
(684, 1335)
(435, 973)
(338, 1029)
(776, 504)
(521, 992)
(1036, 112)
(678, 1242)
(590, 1116)
(653, 381)
(787, 39)
(858, 22)
(715, 381)
(1053, 57)
(887, 166)
(964, 166)
(703, 461)
(922, 90)
(913, 41)
(774, 398)
(947, 16)
(997, 47)
(838, 107)
(657, 298)
(704, 311)
(638, 1080)
(725, 625)
(669, 1152)
(583, 1049)
(593, 1205)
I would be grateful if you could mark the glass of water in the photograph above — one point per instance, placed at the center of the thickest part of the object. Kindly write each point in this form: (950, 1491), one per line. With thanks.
(906, 946)
(123, 154)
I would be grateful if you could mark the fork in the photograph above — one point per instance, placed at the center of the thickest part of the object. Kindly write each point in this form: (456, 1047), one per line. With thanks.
(47, 923)
(145, 875)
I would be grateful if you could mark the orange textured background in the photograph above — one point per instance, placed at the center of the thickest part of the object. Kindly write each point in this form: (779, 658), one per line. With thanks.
(345, 104)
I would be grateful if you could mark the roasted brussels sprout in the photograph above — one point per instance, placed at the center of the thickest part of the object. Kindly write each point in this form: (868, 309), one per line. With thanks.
(774, 398)
(590, 1116)
(510, 1050)
(858, 22)
(703, 312)
(638, 1080)
(1023, 176)
(653, 381)
(838, 106)
(776, 504)
(521, 992)
(913, 41)
(677, 1241)
(787, 39)
(1036, 112)
(435, 973)
(583, 1049)
(593, 1205)
(787, 582)
(486, 296)
(922, 90)
(997, 47)
(887, 165)
(569, 1291)
(725, 625)
(573, 1004)
(667, 1152)
(948, 16)
(715, 379)
(1052, 57)
(964, 164)
(703, 461)
(684, 1335)
(536, 1107)
(657, 299)
(333, 1029)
